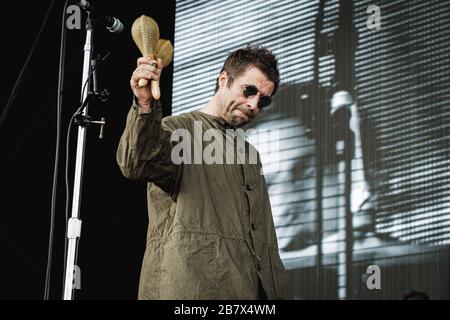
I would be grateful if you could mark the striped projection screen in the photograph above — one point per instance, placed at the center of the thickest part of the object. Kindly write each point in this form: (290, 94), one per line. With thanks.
(360, 183)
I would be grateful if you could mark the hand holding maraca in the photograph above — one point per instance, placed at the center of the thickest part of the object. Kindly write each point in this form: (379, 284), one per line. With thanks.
(146, 69)
(157, 54)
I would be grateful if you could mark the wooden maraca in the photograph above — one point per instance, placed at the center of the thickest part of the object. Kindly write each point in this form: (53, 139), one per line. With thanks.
(145, 33)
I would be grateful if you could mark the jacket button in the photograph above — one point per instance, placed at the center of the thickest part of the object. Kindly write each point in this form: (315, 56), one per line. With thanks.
(258, 266)
(253, 226)
(248, 187)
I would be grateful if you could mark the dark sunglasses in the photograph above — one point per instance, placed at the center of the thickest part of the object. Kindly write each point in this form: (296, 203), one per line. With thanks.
(251, 90)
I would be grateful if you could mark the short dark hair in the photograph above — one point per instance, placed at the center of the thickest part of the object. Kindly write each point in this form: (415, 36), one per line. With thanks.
(240, 60)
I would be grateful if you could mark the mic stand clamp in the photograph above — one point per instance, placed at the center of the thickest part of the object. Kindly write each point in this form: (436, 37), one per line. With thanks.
(85, 121)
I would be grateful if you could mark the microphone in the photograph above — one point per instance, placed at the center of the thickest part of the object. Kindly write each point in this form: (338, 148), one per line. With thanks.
(111, 23)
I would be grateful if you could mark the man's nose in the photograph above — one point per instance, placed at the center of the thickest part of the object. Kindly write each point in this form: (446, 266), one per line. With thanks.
(252, 103)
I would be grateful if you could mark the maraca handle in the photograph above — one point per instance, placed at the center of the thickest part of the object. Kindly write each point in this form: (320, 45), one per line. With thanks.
(156, 92)
(142, 82)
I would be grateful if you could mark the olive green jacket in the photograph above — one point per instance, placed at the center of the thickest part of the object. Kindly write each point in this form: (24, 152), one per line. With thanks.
(211, 233)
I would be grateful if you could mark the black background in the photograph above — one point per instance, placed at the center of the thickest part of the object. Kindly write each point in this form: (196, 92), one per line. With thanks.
(113, 208)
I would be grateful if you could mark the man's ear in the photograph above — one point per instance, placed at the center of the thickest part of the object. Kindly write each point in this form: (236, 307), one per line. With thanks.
(223, 79)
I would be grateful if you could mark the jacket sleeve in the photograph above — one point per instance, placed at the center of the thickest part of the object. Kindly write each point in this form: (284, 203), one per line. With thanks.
(144, 151)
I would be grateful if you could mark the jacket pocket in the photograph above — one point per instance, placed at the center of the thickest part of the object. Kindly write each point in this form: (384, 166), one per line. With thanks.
(189, 269)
